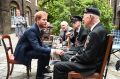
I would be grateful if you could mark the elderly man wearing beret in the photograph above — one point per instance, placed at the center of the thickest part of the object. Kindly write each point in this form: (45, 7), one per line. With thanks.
(80, 32)
(89, 58)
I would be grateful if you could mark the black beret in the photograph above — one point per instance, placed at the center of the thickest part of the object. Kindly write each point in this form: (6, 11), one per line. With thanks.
(76, 18)
(92, 10)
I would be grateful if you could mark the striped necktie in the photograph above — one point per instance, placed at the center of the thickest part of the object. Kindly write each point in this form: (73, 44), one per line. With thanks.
(64, 36)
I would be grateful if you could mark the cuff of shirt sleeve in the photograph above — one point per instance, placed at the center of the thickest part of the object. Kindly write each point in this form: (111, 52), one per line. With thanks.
(52, 52)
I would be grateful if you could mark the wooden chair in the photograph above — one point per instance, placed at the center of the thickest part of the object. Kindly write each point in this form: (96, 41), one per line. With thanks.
(10, 57)
(96, 75)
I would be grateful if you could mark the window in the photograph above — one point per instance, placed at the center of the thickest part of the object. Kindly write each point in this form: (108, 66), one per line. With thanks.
(28, 0)
(110, 2)
(119, 4)
(36, 2)
(28, 16)
(13, 14)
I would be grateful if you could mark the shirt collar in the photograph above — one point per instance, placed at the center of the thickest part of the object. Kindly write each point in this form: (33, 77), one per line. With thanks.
(77, 30)
(93, 26)
(39, 29)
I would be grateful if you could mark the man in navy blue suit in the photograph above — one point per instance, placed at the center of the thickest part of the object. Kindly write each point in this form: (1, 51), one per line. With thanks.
(30, 45)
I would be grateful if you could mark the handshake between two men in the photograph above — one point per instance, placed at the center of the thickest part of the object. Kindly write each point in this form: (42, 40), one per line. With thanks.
(64, 56)
(58, 51)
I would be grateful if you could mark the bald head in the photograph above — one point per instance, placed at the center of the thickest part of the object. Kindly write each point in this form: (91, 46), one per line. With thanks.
(90, 19)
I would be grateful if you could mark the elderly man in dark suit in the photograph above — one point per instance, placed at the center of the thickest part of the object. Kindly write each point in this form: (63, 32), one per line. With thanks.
(89, 58)
(30, 45)
(80, 33)
(78, 37)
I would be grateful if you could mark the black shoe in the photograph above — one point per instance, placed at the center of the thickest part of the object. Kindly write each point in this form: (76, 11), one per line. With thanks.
(44, 77)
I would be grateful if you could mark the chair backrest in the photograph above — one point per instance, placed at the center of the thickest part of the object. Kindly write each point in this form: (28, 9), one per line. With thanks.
(7, 45)
(107, 53)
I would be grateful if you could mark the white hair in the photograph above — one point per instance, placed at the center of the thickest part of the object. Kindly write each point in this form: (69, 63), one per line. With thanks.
(64, 22)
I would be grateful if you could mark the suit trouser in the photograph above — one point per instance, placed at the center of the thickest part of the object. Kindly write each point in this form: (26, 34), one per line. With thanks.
(61, 69)
(72, 51)
(67, 55)
(43, 61)
(20, 31)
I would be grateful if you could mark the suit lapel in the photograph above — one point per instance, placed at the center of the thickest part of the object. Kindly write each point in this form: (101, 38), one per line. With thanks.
(39, 34)
(88, 37)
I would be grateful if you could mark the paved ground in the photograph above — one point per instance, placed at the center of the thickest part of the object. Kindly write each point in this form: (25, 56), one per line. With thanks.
(19, 71)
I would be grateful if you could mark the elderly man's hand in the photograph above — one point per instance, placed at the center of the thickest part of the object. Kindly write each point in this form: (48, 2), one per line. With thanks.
(59, 52)
(68, 33)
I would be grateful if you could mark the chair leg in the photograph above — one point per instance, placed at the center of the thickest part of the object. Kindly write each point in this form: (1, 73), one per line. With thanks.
(28, 72)
(30, 67)
(106, 70)
(8, 70)
(11, 69)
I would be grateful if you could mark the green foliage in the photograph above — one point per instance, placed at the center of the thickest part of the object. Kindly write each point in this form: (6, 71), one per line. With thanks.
(60, 10)
(105, 10)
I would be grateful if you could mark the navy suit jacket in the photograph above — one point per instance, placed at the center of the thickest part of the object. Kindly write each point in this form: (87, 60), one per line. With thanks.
(30, 41)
